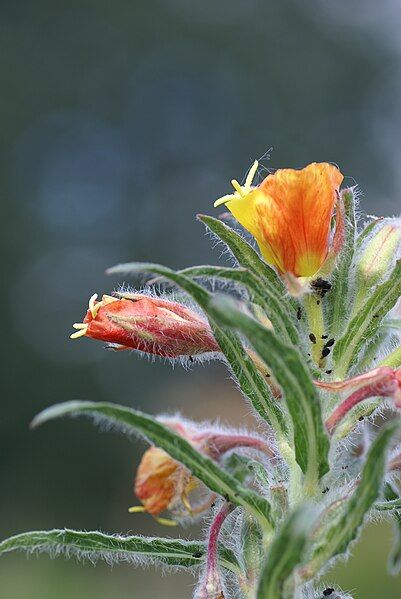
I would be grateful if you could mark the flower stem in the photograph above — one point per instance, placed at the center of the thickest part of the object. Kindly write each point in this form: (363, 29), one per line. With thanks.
(314, 311)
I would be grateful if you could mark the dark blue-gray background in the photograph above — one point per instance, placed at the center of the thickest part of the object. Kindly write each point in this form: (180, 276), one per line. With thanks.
(119, 121)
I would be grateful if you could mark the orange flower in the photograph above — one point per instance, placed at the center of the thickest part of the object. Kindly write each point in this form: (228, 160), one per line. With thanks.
(149, 324)
(289, 214)
(161, 482)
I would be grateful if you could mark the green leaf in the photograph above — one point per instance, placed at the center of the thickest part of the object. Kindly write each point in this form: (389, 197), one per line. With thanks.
(394, 558)
(339, 295)
(364, 326)
(115, 548)
(249, 379)
(274, 307)
(310, 438)
(345, 528)
(129, 420)
(286, 553)
(244, 253)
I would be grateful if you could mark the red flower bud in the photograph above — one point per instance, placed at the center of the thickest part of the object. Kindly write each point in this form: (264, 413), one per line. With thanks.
(148, 324)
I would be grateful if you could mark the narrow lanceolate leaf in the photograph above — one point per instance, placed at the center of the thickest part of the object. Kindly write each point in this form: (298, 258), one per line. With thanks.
(286, 553)
(310, 438)
(131, 421)
(249, 379)
(245, 255)
(345, 527)
(274, 307)
(115, 548)
(394, 558)
(339, 295)
(364, 326)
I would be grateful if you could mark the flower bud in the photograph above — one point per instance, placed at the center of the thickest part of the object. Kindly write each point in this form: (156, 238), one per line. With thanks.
(378, 255)
(148, 324)
(161, 482)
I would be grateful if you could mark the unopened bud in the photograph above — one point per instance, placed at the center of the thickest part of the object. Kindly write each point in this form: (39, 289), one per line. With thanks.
(378, 255)
(148, 324)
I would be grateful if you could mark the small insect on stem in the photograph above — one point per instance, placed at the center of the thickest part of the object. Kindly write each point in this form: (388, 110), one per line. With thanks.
(320, 287)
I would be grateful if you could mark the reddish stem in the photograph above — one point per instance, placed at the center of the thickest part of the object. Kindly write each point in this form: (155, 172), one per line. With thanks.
(381, 388)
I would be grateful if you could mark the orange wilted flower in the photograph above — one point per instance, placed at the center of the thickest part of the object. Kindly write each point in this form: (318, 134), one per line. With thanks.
(161, 483)
(149, 324)
(289, 214)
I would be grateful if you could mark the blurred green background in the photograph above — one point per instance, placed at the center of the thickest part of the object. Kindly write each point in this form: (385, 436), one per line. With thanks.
(120, 120)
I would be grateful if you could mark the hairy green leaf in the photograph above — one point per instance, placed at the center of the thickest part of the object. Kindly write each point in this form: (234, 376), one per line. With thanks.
(115, 548)
(202, 467)
(286, 553)
(274, 307)
(394, 558)
(344, 528)
(249, 379)
(310, 438)
(245, 255)
(367, 321)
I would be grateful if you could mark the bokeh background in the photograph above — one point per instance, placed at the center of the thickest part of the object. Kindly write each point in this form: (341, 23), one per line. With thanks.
(119, 121)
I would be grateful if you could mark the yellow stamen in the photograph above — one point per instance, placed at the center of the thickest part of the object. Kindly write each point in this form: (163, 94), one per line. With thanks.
(80, 333)
(135, 509)
(237, 187)
(166, 522)
(224, 199)
(79, 325)
(251, 174)
(93, 307)
(240, 191)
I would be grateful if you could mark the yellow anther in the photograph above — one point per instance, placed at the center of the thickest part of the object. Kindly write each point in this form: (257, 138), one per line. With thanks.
(237, 187)
(93, 307)
(251, 174)
(166, 522)
(186, 503)
(136, 509)
(81, 332)
(224, 199)
(240, 191)
(79, 325)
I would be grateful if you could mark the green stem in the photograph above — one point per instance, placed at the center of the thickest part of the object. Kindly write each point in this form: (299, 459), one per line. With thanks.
(314, 311)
